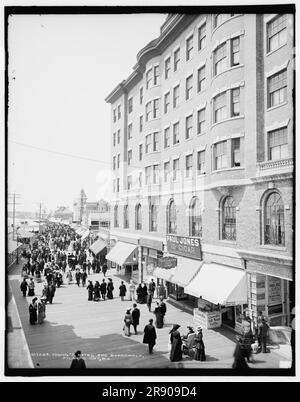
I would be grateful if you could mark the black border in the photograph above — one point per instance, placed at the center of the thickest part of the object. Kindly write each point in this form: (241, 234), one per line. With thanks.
(73, 10)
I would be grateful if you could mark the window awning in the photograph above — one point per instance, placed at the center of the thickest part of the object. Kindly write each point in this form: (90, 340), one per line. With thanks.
(164, 273)
(98, 246)
(186, 269)
(85, 234)
(219, 284)
(121, 252)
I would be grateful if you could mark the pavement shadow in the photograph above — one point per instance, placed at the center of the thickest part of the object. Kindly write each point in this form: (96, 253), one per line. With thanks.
(225, 332)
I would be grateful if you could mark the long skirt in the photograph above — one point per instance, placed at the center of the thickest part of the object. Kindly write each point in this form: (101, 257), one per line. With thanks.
(176, 352)
(31, 292)
(159, 320)
(110, 294)
(127, 330)
(33, 317)
(200, 354)
(90, 295)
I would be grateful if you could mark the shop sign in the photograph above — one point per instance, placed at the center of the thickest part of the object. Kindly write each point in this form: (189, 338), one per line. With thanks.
(185, 246)
(274, 291)
(214, 319)
(167, 262)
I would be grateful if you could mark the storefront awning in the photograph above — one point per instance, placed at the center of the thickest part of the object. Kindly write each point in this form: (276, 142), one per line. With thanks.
(164, 273)
(219, 284)
(185, 271)
(121, 252)
(98, 246)
(85, 234)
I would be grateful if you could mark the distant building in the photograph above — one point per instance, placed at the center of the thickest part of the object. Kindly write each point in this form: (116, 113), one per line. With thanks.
(63, 213)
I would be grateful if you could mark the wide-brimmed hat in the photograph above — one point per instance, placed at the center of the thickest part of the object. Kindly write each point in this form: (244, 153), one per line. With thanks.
(190, 328)
(175, 326)
(199, 329)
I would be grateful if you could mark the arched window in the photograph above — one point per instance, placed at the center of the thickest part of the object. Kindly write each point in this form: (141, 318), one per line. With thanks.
(228, 219)
(153, 217)
(138, 217)
(126, 217)
(171, 218)
(274, 220)
(195, 218)
(116, 216)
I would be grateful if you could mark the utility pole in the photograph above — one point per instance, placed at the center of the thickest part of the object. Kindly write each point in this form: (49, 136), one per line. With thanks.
(13, 203)
(14, 197)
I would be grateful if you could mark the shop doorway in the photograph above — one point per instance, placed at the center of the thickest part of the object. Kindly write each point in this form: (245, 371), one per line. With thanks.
(228, 316)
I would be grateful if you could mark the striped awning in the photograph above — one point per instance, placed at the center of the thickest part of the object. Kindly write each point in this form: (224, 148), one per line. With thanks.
(98, 246)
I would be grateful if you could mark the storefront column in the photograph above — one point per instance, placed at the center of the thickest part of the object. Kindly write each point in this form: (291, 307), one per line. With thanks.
(140, 266)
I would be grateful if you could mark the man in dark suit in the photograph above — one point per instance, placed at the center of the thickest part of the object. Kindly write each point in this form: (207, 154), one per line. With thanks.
(163, 308)
(135, 314)
(150, 335)
(103, 289)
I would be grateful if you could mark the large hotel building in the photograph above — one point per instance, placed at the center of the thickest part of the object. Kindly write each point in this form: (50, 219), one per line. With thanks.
(202, 159)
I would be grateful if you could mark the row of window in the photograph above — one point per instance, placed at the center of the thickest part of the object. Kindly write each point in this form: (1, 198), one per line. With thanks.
(226, 55)
(225, 154)
(272, 218)
(225, 105)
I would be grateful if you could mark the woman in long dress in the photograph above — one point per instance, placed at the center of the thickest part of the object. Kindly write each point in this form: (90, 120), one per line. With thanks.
(41, 310)
(127, 322)
(33, 311)
(176, 342)
(90, 289)
(199, 344)
(159, 317)
(97, 291)
(110, 288)
(31, 287)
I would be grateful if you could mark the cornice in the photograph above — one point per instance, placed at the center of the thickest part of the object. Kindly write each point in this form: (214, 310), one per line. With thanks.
(172, 28)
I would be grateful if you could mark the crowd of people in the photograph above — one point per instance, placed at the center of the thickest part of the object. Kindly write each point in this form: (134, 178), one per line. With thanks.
(60, 254)
(54, 256)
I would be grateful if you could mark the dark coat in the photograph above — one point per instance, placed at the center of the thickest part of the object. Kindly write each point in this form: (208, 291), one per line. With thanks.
(163, 308)
(122, 290)
(103, 287)
(78, 364)
(24, 286)
(135, 314)
(176, 352)
(149, 335)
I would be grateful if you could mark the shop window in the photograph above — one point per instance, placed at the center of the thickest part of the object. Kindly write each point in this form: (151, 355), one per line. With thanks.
(138, 217)
(195, 218)
(228, 219)
(274, 233)
(171, 218)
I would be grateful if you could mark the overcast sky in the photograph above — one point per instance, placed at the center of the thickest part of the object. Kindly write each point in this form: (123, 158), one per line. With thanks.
(61, 67)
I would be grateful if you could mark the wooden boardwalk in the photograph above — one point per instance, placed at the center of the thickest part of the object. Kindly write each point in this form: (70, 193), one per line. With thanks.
(74, 323)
